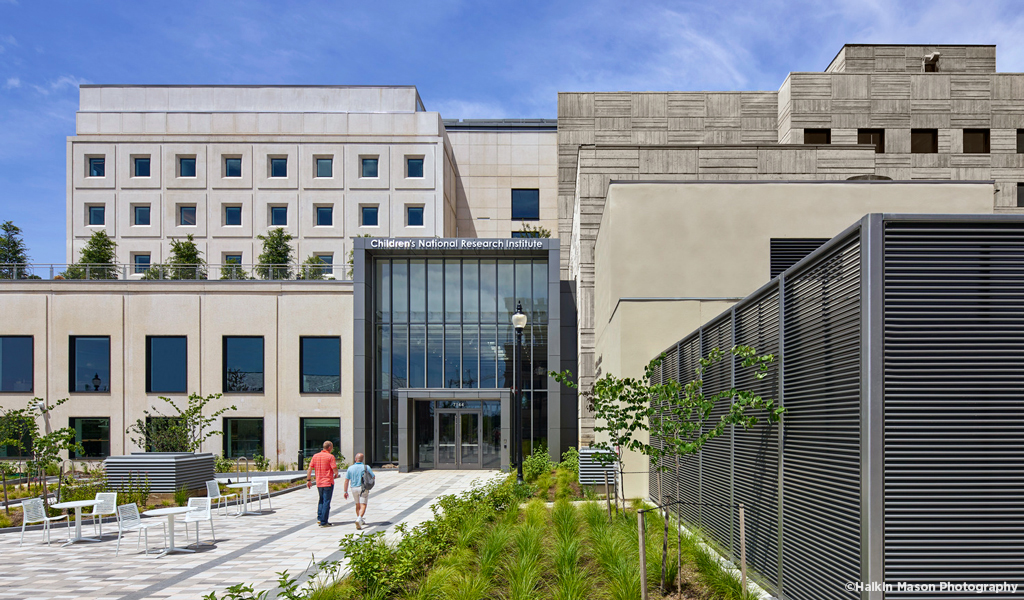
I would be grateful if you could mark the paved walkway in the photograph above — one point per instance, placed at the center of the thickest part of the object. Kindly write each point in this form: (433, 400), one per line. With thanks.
(249, 549)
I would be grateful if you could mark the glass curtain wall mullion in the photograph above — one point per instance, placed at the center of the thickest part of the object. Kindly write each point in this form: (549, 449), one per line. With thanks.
(452, 356)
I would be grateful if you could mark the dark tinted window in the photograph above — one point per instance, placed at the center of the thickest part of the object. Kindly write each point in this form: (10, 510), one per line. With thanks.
(166, 364)
(976, 141)
(16, 363)
(142, 215)
(142, 167)
(875, 137)
(141, 263)
(97, 215)
(325, 215)
(187, 215)
(187, 167)
(93, 433)
(817, 136)
(324, 167)
(97, 167)
(314, 432)
(369, 167)
(924, 141)
(243, 364)
(279, 215)
(232, 167)
(415, 216)
(369, 216)
(89, 364)
(232, 215)
(279, 167)
(1020, 195)
(414, 167)
(1020, 141)
(243, 437)
(320, 365)
(526, 205)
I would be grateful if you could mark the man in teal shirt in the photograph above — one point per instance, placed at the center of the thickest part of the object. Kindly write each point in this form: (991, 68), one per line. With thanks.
(354, 475)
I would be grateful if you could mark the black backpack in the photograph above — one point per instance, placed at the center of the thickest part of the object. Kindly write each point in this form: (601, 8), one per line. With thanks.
(368, 479)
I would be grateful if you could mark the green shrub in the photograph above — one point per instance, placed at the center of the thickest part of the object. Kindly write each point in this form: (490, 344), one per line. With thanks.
(564, 479)
(181, 496)
(262, 463)
(536, 464)
(223, 465)
(571, 462)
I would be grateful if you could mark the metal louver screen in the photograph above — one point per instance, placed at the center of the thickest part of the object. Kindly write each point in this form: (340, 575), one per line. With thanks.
(821, 389)
(756, 450)
(688, 477)
(786, 252)
(716, 457)
(592, 472)
(954, 403)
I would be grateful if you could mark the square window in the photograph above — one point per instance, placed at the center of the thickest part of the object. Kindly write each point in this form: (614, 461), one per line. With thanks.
(166, 364)
(232, 216)
(320, 364)
(243, 364)
(16, 363)
(233, 259)
(325, 216)
(141, 167)
(314, 431)
(279, 167)
(93, 434)
(279, 215)
(97, 215)
(1020, 141)
(232, 167)
(369, 167)
(97, 167)
(976, 141)
(229, 271)
(243, 437)
(186, 215)
(414, 216)
(325, 167)
(187, 167)
(414, 167)
(369, 216)
(924, 141)
(141, 216)
(874, 137)
(817, 136)
(89, 365)
(142, 262)
(526, 205)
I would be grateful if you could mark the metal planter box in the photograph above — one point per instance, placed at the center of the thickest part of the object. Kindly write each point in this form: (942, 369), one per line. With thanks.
(167, 471)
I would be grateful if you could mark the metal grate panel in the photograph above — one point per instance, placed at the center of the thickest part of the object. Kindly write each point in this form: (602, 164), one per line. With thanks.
(591, 471)
(756, 450)
(716, 457)
(688, 487)
(821, 513)
(786, 252)
(954, 413)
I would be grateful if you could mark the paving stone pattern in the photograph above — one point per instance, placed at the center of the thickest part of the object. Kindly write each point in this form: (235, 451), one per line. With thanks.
(249, 549)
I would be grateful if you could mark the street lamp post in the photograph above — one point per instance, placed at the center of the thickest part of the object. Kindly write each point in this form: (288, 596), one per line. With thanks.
(519, 322)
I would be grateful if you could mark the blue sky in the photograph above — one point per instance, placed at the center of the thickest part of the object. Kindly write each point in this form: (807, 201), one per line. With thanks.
(469, 59)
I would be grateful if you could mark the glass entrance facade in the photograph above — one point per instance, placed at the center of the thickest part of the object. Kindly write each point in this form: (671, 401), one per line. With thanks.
(446, 323)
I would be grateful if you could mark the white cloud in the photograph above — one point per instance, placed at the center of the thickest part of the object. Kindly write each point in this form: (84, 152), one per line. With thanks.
(59, 84)
(12, 83)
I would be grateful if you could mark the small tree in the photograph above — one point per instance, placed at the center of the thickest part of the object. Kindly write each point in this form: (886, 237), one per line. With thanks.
(20, 425)
(184, 431)
(13, 252)
(313, 268)
(679, 416)
(229, 271)
(186, 262)
(96, 260)
(534, 232)
(276, 259)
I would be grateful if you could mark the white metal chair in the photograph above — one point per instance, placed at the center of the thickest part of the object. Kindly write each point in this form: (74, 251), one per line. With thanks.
(128, 520)
(107, 506)
(261, 487)
(213, 493)
(201, 511)
(33, 511)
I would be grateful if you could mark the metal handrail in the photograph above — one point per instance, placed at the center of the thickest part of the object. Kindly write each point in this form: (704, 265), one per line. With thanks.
(238, 469)
(172, 272)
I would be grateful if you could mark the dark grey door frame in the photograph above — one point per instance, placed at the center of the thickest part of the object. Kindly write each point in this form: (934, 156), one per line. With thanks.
(406, 418)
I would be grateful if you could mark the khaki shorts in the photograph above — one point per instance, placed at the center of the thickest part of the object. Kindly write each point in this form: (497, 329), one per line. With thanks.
(360, 495)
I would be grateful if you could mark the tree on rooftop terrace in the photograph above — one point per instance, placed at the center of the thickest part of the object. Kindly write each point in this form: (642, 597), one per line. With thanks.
(13, 252)
(96, 261)
(186, 262)
(276, 260)
(534, 232)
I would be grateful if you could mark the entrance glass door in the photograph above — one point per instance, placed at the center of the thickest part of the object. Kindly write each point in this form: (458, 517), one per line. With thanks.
(458, 439)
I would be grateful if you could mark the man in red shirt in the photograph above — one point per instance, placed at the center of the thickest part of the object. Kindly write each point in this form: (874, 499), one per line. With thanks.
(326, 472)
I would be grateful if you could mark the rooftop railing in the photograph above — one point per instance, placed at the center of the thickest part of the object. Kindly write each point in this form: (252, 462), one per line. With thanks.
(171, 272)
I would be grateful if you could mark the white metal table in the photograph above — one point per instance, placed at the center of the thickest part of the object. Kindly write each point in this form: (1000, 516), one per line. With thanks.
(243, 507)
(170, 513)
(78, 505)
